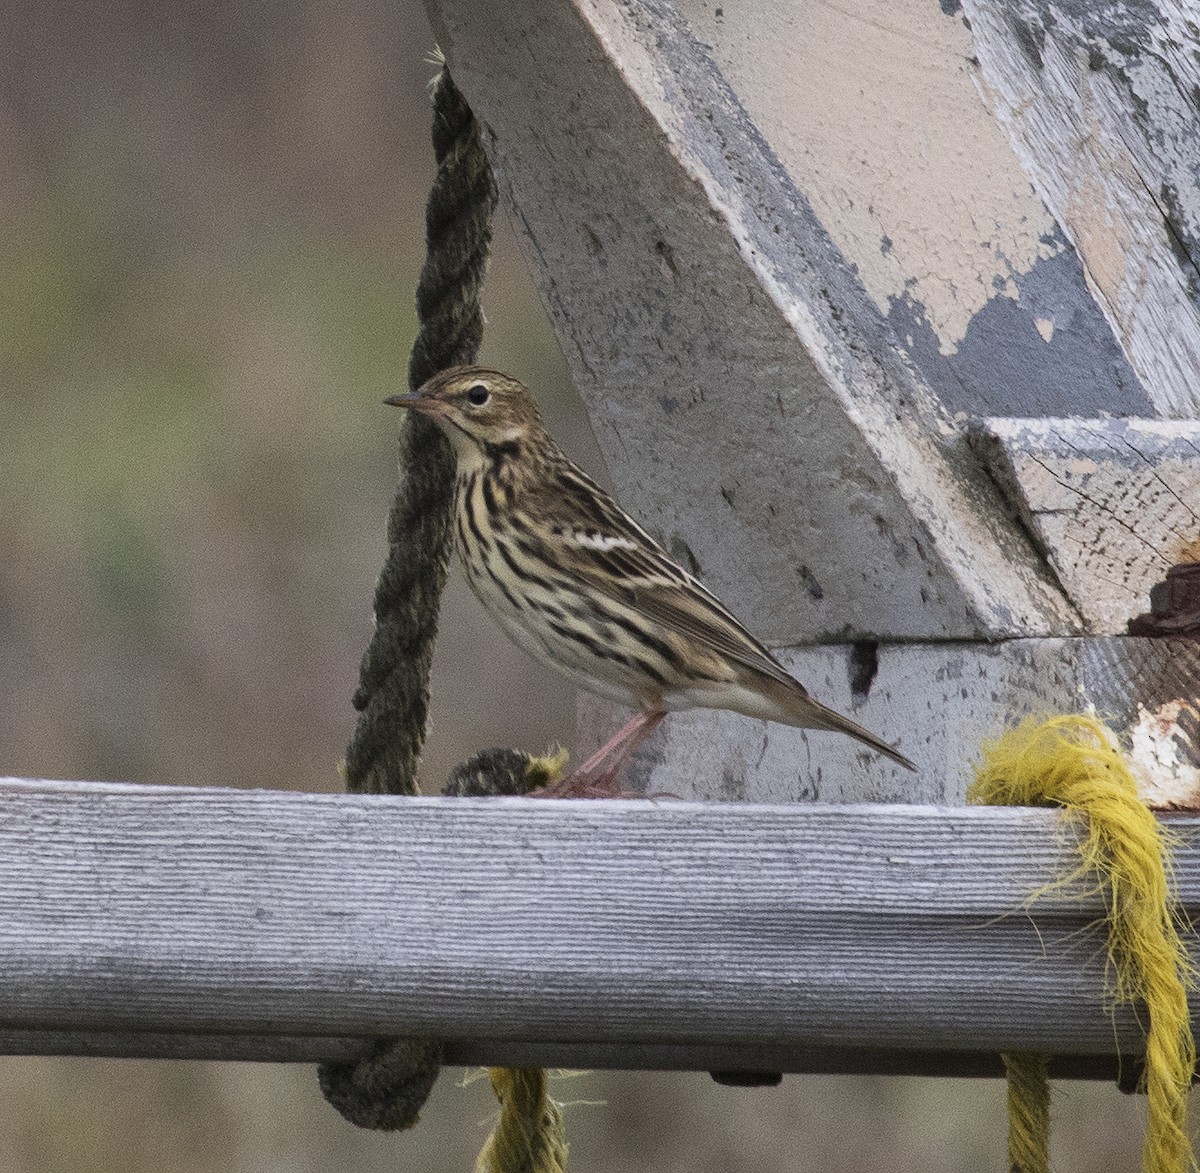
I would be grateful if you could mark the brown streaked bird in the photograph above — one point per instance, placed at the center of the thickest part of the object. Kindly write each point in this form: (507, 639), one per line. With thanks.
(578, 584)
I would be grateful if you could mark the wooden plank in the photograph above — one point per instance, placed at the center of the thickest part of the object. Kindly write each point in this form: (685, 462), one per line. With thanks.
(938, 702)
(1114, 503)
(591, 925)
(752, 403)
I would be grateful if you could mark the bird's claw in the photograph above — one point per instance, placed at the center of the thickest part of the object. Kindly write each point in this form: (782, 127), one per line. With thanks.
(580, 785)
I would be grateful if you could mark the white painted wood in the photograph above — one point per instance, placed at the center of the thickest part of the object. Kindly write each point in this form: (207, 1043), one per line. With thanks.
(874, 112)
(1099, 101)
(937, 702)
(795, 252)
(193, 913)
(748, 394)
(694, 212)
(1114, 503)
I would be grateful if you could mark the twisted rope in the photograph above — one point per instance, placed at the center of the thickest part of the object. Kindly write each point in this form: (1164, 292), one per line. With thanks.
(387, 1087)
(393, 690)
(528, 1138)
(1028, 1113)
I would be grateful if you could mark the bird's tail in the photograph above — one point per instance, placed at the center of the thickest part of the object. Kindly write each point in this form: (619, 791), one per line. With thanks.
(839, 724)
(803, 711)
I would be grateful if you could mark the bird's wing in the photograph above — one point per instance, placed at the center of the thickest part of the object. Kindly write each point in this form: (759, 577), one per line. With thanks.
(597, 541)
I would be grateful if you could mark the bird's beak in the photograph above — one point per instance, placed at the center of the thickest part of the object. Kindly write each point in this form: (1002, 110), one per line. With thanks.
(418, 402)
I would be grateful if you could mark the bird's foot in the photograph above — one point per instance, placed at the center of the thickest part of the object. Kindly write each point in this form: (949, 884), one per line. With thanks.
(585, 785)
(597, 777)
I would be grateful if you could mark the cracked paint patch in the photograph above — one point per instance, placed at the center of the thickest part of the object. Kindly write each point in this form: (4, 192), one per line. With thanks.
(1046, 349)
(875, 114)
(1167, 776)
(1104, 124)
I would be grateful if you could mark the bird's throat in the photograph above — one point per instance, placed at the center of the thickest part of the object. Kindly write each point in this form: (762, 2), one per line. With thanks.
(502, 457)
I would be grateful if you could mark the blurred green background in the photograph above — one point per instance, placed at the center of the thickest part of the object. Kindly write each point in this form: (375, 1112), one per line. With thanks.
(211, 231)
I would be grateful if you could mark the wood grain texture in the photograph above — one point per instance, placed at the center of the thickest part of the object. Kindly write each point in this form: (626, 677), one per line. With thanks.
(807, 929)
(1114, 503)
(1099, 101)
(937, 702)
(875, 113)
(744, 387)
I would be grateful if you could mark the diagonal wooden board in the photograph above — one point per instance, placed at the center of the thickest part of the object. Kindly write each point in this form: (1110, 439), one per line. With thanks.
(748, 394)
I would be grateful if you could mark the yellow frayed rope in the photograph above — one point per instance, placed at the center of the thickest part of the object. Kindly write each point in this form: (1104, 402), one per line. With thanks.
(529, 1136)
(1075, 763)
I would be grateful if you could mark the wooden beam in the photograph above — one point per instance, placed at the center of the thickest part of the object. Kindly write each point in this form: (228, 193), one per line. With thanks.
(754, 404)
(576, 1056)
(281, 925)
(1113, 503)
(938, 702)
(1099, 103)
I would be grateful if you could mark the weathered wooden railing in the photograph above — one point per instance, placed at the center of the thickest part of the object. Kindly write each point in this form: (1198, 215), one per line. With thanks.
(242, 924)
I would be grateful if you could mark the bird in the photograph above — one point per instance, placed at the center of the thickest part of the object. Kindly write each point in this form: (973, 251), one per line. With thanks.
(583, 588)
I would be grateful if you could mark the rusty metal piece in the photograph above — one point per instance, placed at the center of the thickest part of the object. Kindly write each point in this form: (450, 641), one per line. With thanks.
(1174, 604)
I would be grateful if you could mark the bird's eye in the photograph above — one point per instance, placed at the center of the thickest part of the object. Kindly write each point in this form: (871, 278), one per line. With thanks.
(478, 395)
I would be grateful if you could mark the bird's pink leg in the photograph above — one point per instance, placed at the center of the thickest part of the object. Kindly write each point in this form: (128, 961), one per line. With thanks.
(594, 778)
(636, 727)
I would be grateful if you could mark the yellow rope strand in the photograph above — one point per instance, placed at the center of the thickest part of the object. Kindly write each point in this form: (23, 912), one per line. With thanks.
(1074, 762)
(1028, 1114)
(529, 1137)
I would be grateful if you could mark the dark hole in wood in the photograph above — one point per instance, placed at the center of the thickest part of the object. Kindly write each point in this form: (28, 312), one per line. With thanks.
(864, 664)
(748, 1078)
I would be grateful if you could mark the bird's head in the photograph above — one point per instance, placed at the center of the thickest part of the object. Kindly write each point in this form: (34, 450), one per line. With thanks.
(481, 411)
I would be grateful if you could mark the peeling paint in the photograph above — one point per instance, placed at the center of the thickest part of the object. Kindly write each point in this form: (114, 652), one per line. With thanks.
(1105, 127)
(1166, 776)
(1103, 239)
(873, 111)
(1046, 352)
